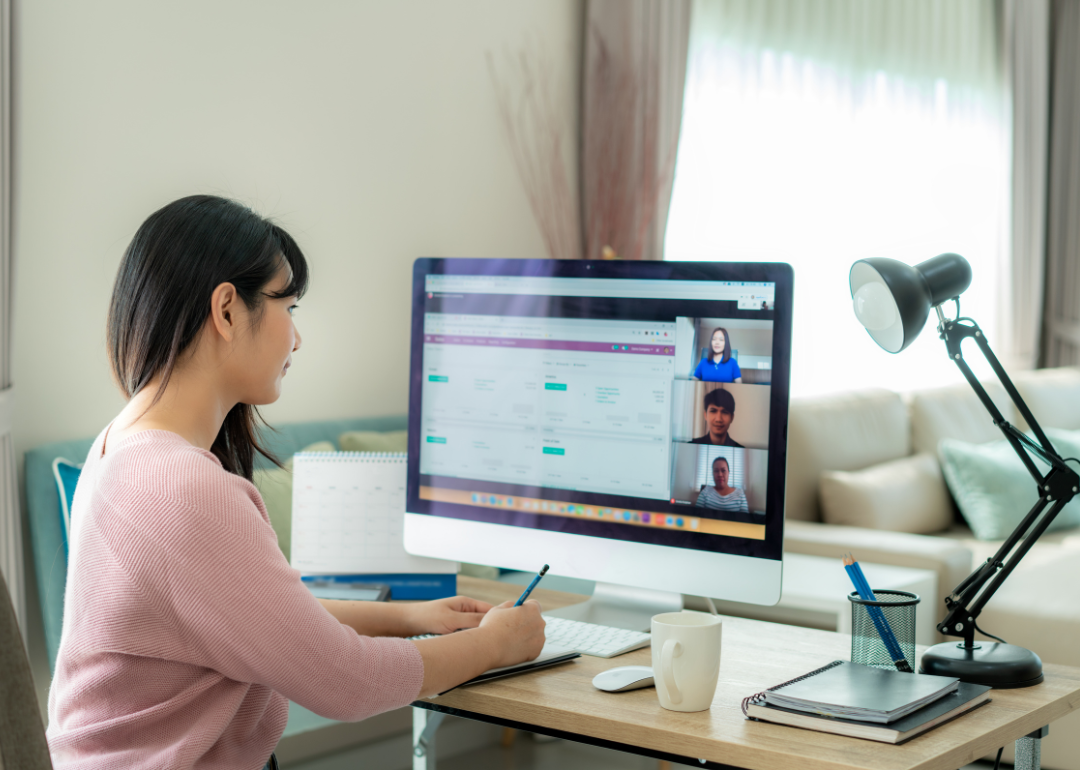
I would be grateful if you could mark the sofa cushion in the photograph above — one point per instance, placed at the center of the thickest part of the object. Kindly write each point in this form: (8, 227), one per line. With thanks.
(373, 441)
(905, 495)
(67, 475)
(956, 412)
(841, 432)
(1051, 395)
(994, 490)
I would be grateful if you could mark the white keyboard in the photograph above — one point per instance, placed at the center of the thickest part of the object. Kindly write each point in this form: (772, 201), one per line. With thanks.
(593, 639)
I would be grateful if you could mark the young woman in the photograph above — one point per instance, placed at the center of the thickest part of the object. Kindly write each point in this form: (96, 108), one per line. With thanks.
(718, 365)
(186, 632)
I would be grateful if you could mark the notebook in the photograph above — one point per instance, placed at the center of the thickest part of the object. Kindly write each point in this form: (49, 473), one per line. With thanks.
(965, 698)
(348, 514)
(862, 693)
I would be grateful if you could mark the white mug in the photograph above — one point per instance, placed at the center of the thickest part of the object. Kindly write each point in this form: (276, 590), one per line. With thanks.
(686, 659)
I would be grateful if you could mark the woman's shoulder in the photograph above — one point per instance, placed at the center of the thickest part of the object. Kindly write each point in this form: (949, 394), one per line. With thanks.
(165, 464)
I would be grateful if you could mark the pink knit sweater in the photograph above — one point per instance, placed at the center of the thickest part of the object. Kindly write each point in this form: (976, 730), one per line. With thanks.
(186, 632)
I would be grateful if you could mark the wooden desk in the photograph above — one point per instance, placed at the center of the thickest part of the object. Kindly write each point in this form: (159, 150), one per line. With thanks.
(755, 655)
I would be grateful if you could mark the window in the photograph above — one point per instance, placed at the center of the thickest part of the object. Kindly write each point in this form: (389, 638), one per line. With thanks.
(868, 130)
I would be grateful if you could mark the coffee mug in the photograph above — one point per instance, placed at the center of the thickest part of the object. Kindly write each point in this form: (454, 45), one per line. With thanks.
(686, 659)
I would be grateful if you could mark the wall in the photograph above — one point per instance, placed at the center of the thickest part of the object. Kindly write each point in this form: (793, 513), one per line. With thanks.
(369, 129)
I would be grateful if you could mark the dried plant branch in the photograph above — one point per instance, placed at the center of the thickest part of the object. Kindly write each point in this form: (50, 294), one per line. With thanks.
(623, 178)
(536, 129)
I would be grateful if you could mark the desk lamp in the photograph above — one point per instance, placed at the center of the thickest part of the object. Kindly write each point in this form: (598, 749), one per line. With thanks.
(893, 300)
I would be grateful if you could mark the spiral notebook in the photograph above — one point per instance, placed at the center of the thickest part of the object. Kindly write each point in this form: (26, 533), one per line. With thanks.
(865, 702)
(348, 519)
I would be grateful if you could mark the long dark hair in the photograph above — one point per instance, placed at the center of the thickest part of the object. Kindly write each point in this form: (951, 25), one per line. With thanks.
(161, 299)
(726, 355)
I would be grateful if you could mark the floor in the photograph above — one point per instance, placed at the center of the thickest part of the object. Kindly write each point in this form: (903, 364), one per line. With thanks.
(477, 750)
(528, 754)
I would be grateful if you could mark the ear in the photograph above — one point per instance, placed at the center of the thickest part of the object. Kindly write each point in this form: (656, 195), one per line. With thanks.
(224, 317)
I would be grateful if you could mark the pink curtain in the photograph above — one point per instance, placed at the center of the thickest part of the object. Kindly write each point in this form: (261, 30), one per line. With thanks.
(634, 71)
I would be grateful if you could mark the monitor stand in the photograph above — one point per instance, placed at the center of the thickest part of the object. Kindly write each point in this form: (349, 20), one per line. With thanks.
(621, 606)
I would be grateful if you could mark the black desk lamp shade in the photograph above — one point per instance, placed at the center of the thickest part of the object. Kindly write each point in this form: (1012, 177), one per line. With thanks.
(893, 300)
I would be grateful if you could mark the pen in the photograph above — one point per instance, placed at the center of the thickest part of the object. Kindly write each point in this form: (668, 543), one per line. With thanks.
(862, 587)
(532, 585)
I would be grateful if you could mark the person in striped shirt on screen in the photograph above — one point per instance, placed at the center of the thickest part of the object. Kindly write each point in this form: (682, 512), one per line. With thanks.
(722, 497)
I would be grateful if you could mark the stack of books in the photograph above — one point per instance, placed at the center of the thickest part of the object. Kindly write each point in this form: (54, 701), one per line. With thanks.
(865, 702)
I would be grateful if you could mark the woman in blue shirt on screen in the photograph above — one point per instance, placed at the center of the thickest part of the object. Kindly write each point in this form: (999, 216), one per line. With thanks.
(718, 365)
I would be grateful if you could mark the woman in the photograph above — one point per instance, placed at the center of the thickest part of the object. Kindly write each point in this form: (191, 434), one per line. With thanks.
(186, 632)
(722, 497)
(718, 365)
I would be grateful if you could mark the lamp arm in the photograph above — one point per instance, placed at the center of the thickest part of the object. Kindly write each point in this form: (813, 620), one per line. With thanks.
(954, 333)
(1056, 488)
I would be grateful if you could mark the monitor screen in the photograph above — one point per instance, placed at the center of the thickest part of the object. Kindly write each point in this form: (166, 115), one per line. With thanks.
(630, 403)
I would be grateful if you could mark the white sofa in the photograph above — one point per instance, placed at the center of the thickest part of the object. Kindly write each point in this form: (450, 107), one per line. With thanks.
(1038, 607)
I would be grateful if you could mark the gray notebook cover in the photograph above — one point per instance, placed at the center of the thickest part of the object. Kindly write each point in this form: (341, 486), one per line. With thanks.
(853, 687)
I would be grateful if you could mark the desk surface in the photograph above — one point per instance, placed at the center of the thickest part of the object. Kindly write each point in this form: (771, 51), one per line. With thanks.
(755, 655)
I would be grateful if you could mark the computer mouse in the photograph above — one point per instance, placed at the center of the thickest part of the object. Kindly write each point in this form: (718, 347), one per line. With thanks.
(624, 678)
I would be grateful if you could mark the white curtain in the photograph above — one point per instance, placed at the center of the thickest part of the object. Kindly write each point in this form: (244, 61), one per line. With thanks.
(11, 553)
(820, 133)
(1026, 27)
(1062, 322)
(632, 90)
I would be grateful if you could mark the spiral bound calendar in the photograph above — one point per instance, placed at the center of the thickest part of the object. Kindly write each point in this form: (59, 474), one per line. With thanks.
(348, 517)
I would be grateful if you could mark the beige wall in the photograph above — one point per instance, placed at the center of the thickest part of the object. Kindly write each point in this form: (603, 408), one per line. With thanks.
(367, 128)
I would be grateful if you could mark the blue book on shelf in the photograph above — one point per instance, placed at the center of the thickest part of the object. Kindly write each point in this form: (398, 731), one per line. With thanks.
(419, 586)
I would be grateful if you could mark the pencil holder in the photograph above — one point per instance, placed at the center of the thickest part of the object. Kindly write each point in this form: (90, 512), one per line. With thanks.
(894, 611)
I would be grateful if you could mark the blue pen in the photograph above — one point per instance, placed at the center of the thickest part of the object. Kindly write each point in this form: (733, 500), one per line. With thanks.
(532, 585)
(862, 587)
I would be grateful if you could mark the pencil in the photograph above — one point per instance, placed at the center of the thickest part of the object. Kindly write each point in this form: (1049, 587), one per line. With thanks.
(532, 585)
(881, 623)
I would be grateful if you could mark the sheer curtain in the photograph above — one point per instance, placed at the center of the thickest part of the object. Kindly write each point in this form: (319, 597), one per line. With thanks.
(821, 133)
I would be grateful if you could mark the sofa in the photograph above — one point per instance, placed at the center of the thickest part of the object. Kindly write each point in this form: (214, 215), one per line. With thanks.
(867, 474)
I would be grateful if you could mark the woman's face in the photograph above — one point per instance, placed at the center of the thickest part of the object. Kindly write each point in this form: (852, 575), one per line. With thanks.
(266, 341)
(718, 342)
(720, 474)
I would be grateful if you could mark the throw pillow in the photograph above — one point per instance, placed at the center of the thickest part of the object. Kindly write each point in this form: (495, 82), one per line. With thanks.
(275, 487)
(905, 495)
(993, 488)
(372, 441)
(67, 475)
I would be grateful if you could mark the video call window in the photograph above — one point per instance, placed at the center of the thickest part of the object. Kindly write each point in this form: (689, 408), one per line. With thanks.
(735, 350)
(721, 414)
(717, 480)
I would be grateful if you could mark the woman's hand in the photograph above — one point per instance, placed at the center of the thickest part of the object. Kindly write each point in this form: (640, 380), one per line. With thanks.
(520, 630)
(442, 616)
(506, 635)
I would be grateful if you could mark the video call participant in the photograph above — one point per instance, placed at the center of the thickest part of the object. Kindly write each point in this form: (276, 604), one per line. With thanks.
(719, 412)
(718, 365)
(722, 497)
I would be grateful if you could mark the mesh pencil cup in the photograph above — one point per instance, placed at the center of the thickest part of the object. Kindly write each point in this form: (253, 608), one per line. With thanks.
(897, 609)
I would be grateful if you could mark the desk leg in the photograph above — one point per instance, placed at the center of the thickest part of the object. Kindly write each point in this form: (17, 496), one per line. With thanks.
(424, 725)
(1029, 750)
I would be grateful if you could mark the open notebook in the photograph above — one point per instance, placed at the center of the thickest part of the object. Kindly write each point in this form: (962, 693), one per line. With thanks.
(549, 656)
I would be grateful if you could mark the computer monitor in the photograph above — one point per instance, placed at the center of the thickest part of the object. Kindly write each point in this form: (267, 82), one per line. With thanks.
(624, 422)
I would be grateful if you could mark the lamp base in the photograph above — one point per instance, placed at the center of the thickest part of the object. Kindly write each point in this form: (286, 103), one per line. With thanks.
(1004, 666)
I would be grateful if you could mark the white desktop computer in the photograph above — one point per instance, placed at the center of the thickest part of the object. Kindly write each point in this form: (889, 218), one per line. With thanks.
(624, 422)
